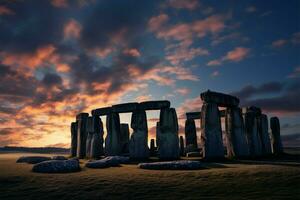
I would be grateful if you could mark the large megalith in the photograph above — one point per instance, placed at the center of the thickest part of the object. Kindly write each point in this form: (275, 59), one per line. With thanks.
(190, 136)
(211, 131)
(81, 134)
(181, 145)
(88, 144)
(263, 127)
(96, 150)
(113, 140)
(157, 133)
(168, 144)
(152, 147)
(252, 133)
(73, 149)
(276, 138)
(124, 138)
(138, 144)
(236, 141)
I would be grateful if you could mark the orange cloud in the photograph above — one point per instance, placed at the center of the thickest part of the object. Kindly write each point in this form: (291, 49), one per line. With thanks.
(72, 29)
(155, 23)
(238, 54)
(60, 3)
(183, 91)
(132, 52)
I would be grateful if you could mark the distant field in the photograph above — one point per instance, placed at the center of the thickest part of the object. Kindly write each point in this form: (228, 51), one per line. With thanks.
(239, 180)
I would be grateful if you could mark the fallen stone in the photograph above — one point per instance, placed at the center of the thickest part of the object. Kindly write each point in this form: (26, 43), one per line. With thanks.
(220, 99)
(59, 158)
(111, 161)
(154, 105)
(172, 165)
(57, 166)
(102, 111)
(193, 154)
(32, 159)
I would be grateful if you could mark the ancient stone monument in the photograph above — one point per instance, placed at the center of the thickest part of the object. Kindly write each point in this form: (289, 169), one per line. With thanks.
(190, 135)
(113, 139)
(81, 134)
(276, 139)
(124, 138)
(74, 139)
(263, 126)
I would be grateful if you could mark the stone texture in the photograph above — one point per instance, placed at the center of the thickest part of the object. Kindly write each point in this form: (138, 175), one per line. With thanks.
(181, 146)
(102, 111)
(252, 134)
(81, 134)
(193, 115)
(172, 165)
(111, 161)
(168, 144)
(125, 107)
(32, 159)
(57, 166)
(138, 144)
(113, 139)
(97, 139)
(88, 144)
(211, 134)
(276, 138)
(190, 135)
(236, 141)
(263, 127)
(220, 99)
(152, 148)
(73, 149)
(124, 138)
(154, 105)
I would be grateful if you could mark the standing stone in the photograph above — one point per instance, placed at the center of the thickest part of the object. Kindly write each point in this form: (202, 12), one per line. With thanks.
(88, 144)
(190, 136)
(157, 134)
(152, 147)
(264, 134)
(124, 138)
(74, 138)
(253, 137)
(81, 134)
(138, 147)
(276, 139)
(113, 140)
(235, 133)
(168, 145)
(181, 145)
(97, 139)
(211, 131)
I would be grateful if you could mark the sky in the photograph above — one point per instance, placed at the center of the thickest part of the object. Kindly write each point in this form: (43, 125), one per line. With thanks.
(62, 57)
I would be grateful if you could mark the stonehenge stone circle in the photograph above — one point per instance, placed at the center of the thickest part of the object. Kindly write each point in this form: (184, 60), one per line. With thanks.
(264, 134)
(113, 139)
(181, 145)
(276, 138)
(124, 138)
(81, 134)
(252, 133)
(190, 136)
(73, 150)
(97, 139)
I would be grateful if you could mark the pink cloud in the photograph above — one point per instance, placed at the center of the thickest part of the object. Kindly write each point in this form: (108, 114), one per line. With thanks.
(155, 23)
(60, 3)
(183, 91)
(238, 54)
(6, 11)
(72, 29)
(279, 43)
(132, 52)
(185, 54)
(214, 63)
(186, 4)
(215, 74)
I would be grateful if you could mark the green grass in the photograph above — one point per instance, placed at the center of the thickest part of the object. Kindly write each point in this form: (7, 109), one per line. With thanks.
(229, 181)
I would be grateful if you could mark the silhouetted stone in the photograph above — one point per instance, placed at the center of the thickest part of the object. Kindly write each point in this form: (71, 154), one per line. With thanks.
(193, 115)
(220, 99)
(59, 158)
(235, 133)
(138, 147)
(254, 109)
(252, 134)
(193, 154)
(211, 134)
(74, 139)
(276, 138)
(125, 108)
(88, 144)
(113, 139)
(57, 166)
(124, 138)
(152, 147)
(97, 138)
(32, 159)
(102, 111)
(172, 165)
(157, 134)
(81, 134)
(181, 146)
(264, 134)
(111, 161)
(168, 145)
(154, 105)
(190, 135)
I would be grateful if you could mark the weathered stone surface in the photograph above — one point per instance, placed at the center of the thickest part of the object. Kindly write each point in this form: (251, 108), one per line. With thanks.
(97, 139)
(236, 141)
(124, 138)
(125, 107)
(73, 148)
(168, 144)
(138, 144)
(252, 134)
(113, 139)
(190, 135)
(102, 111)
(154, 105)
(263, 127)
(172, 165)
(181, 146)
(193, 115)
(193, 154)
(88, 144)
(254, 109)
(32, 159)
(211, 134)
(276, 138)
(57, 166)
(152, 147)
(111, 161)
(220, 99)
(81, 134)
(59, 158)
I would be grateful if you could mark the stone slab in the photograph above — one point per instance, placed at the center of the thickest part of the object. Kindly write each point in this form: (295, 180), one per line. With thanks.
(154, 105)
(102, 111)
(193, 115)
(57, 166)
(33, 159)
(223, 100)
(125, 107)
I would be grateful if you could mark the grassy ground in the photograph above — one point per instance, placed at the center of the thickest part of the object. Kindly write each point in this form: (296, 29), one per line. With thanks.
(239, 180)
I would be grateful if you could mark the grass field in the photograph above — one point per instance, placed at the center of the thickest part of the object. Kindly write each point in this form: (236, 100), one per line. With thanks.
(238, 180)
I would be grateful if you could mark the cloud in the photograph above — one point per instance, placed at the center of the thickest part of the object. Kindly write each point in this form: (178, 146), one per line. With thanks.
(6, 11)
(183, 91)
(251, 9)
(295, 73)
(155, 23)
(214, 63)
(236, 55)
(294, 40)
(72, 29)
(60, 3)
(279, 43)
(187, 4)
